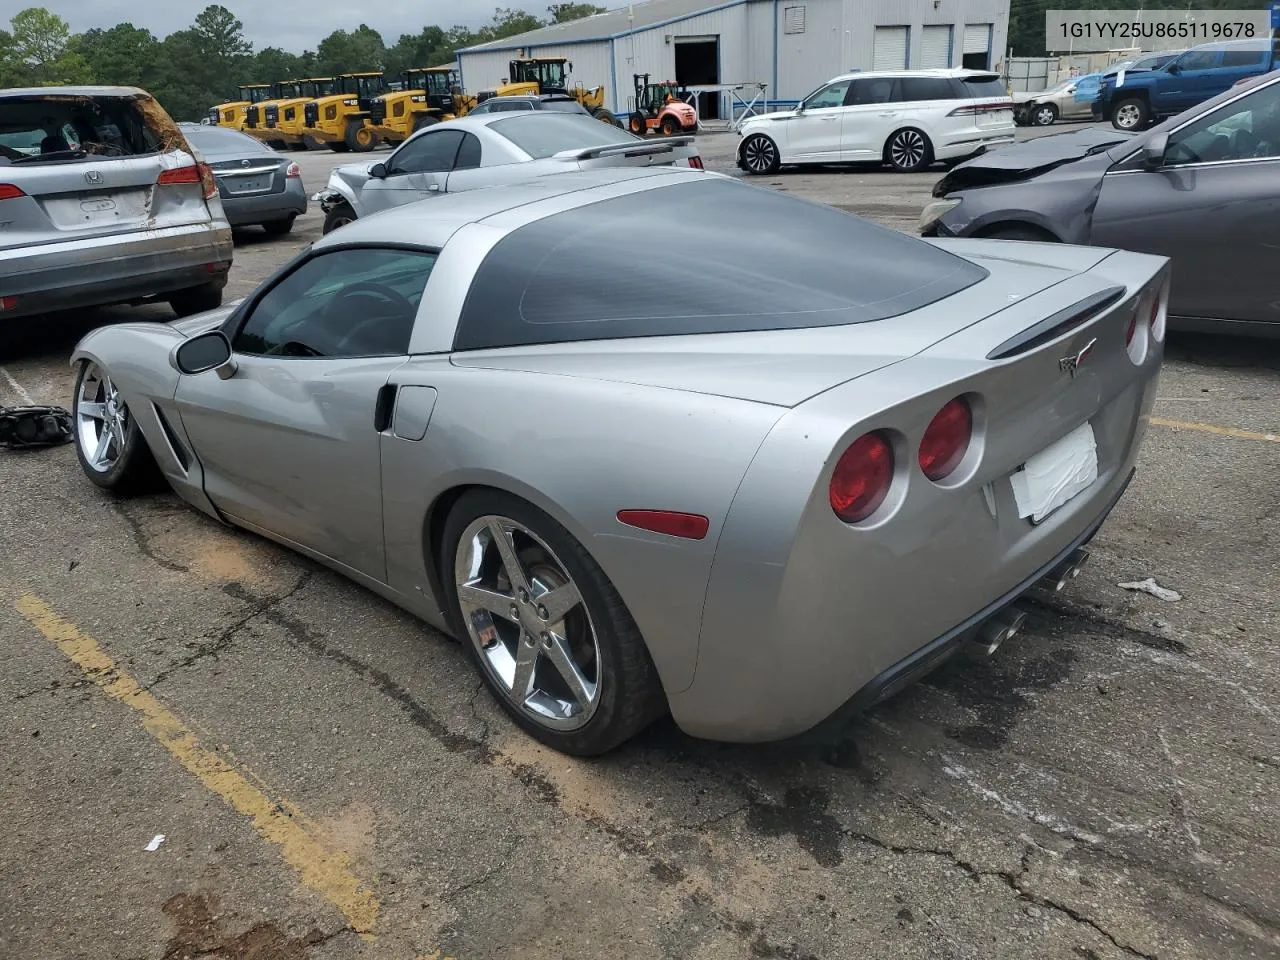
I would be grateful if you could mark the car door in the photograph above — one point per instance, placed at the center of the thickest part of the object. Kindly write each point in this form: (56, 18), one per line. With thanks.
(418, 169)
(1191, 79)
(924, 103)
(467, 172)
(288, 442)
(870, 112)
(1080, 102)
(814, 134)
(1213, 207)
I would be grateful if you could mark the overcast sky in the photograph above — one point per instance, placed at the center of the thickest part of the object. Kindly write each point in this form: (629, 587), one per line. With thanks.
(294, 25)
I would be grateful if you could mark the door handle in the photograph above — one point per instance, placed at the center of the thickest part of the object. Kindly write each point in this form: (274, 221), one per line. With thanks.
(890, 113)
(384, 406)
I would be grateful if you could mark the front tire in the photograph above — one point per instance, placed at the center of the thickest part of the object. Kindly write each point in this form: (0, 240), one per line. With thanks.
(424, 121)
(338, 216)
(606, 116)
(670, 126)
(552, 639)
(196, 300)
(908, 151)
(1130, 114)
(759, 155)
(111, 449)
(359, 137)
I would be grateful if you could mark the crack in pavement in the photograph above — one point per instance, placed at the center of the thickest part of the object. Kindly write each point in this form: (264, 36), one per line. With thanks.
(143, 541)
(259, 606)
(1010, 879)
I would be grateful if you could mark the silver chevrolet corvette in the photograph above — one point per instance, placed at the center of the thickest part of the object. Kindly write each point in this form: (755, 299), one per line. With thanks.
(657, 440)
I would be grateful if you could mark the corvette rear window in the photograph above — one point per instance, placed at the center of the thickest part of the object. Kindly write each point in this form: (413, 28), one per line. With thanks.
(704, 256)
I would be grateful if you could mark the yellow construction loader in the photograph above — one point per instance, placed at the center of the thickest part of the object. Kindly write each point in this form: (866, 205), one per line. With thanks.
(427, 95)
(231, 113)
(341, 121)
(290, 113)
(262, 119)
(550, 75)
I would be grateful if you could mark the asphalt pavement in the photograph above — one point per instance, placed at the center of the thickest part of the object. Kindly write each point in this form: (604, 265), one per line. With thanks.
(331, 780)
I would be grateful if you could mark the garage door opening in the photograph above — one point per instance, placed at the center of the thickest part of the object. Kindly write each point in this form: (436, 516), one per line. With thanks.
(977, 47)
(698, 65)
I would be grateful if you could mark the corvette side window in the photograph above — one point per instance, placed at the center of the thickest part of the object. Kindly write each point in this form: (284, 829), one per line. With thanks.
(430, 153)
(349, 303)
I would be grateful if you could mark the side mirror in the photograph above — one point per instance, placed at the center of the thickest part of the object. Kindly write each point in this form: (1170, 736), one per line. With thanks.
(1153, 151)
(799, 108)
(208, 351)
(378, 171)
(1070, 90)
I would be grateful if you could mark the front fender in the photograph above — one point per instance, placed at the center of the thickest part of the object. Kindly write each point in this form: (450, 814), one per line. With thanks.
(138, 359)
(336, 191)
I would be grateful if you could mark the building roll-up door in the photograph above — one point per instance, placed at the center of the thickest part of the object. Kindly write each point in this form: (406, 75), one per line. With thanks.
(890, 52)
(935, 47)
(977, 46)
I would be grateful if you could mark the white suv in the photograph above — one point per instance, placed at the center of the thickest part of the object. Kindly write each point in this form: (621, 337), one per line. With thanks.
(905, 118)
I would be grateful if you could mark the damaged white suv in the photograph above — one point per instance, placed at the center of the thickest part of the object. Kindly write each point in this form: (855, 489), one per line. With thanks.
(102, 201)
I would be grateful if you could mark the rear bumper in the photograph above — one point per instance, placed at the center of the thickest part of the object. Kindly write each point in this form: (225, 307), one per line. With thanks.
(263, 207)
(117, 269)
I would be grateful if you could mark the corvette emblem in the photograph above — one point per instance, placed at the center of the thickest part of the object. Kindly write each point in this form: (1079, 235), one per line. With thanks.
(1072, 364)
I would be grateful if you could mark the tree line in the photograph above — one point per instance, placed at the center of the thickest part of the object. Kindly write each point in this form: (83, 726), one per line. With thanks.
(193, 69)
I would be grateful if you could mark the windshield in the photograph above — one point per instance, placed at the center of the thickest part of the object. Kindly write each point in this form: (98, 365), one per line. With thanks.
(541, 134)
(319, 88)
(288, 91)
(255, 94)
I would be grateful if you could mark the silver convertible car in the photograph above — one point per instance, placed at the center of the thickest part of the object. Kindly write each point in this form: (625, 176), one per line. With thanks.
(760, 492)
(487, 150)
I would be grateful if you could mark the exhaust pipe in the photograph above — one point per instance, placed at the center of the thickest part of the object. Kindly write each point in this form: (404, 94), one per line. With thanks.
(995, 630)
(1067, 570)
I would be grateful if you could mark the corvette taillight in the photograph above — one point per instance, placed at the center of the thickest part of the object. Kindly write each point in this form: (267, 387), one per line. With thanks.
(862, 478)
(696, 163)
(946, 439)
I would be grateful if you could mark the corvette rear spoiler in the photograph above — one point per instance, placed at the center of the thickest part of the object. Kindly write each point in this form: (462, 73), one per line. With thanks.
(665, 145)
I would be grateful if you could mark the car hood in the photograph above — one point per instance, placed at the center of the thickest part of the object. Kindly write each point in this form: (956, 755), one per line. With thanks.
(786, 367)
(766, 119)
(1022, 161)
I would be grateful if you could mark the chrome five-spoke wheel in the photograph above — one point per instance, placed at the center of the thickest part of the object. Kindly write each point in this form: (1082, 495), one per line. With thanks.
(102, 420)
(528, 621)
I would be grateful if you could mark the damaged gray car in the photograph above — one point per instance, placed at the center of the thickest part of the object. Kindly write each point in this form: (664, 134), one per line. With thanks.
(102, 201)
(1199, 188)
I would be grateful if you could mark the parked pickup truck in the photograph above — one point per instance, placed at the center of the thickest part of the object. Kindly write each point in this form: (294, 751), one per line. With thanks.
(1134, 101)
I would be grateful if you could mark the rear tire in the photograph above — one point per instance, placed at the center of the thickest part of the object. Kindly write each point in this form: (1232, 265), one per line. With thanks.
(278, 228)
(126, 471)
(908, 150)
(1130, 114)
(638, 124)
(338, 216)
(670, 126)
(1044, 115)
(597, 634)
(196, 300)
(606, 116)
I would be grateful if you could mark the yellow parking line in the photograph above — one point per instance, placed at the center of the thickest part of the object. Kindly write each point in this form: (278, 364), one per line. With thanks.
(1215, 429)
(327, 872)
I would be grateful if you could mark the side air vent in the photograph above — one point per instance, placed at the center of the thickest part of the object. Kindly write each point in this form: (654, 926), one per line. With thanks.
(179, 451)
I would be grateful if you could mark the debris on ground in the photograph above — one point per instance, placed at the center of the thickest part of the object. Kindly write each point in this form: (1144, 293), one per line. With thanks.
(154, 845)
(1150, 586)
(34, 426)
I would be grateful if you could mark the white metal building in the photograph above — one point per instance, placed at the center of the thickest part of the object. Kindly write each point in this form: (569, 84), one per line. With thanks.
(792, 46)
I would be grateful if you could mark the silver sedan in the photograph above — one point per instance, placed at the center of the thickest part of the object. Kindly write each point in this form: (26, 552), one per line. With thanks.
(490, 149)
(581, 425)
